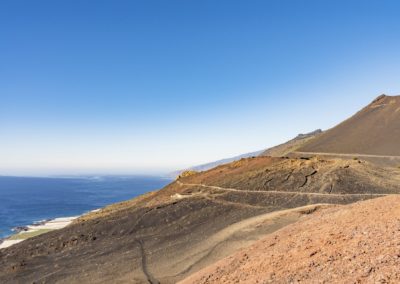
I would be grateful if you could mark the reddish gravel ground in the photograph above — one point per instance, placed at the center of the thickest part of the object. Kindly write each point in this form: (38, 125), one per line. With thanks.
(358, 243)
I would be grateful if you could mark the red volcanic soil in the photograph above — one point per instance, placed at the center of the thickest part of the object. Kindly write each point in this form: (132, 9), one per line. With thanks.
(167, 235)
(375, 130)
(358, 243)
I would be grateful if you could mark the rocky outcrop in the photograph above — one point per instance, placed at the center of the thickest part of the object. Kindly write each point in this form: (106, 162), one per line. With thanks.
(187, 173)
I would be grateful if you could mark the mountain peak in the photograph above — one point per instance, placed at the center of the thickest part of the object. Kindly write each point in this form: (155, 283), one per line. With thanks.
(374, 130)
(384, 100)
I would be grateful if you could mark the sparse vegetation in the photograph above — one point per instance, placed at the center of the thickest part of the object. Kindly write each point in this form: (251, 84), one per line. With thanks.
(187, 174)
(27, 235)
(237, 164)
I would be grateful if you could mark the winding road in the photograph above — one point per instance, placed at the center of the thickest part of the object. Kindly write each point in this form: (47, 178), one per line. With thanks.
(347, 155)
(279, 192)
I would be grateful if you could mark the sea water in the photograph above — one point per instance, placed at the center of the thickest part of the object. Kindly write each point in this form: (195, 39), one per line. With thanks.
(25, 200)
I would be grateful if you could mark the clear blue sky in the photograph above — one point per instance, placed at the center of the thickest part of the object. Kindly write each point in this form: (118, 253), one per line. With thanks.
(147, 86)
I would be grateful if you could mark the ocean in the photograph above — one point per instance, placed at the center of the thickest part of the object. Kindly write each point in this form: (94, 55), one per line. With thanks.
(25, 200)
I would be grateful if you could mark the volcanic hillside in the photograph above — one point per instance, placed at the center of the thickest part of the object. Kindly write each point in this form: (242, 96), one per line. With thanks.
(375, 130)
(356, 243)
(167, 235)
(291, 145)
(276, 151)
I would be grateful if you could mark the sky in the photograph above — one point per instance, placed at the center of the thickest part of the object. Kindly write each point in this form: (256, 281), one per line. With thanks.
(143, 86)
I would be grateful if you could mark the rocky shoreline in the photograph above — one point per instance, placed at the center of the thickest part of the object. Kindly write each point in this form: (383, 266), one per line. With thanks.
(37, 228)
(20, 229)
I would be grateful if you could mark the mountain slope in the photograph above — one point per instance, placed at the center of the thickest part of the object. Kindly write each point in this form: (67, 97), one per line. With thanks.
(276, 151)
(357, 243)
(167, 235)
(291, 145)
(375, 130)
(208, 166)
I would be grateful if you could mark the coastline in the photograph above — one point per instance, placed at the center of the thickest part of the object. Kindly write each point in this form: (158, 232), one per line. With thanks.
(38, 228)
(97, 192)
(63, 197)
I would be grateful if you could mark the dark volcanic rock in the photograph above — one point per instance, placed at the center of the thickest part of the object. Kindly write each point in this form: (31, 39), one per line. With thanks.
(165, 236)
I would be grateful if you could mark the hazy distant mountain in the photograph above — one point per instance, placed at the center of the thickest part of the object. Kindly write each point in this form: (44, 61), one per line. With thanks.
(276, 151)
(205, 167)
